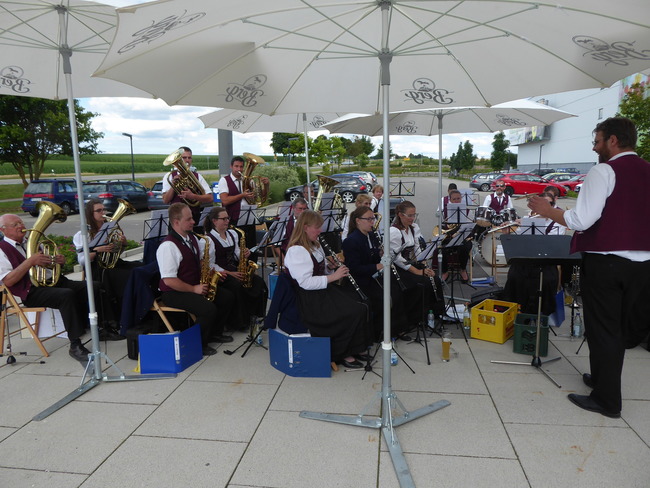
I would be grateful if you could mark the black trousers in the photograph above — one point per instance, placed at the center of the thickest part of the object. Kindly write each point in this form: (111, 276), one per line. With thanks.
(615, 298)
(69, 297)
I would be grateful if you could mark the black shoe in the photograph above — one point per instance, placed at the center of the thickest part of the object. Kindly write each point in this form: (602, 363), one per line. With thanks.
(587, 403)
(79, 352)
(221, 338)
(109, 335)
(587, 380)
(363, 357)
(352, 364)
(209, 351)
(405, 337)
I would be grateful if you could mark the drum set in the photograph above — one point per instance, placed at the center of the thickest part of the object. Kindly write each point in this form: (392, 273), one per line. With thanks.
(489, 241)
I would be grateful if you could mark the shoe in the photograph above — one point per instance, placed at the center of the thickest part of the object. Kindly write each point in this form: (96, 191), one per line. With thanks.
(587, 403)
(363, 357)
(209, 351)
(79, 352)
(405, 337)
(109, 335)
(221, 338)
(352, 364)
(587, 380)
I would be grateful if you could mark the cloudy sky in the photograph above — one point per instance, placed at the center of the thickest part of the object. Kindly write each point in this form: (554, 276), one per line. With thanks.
(160, 129)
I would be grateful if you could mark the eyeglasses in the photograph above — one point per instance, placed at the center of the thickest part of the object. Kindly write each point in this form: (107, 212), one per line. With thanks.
(15, 224)
(100, 210)
(500, 186)
(370, 219)
(410, 216)
(596, 141)
(222, 218)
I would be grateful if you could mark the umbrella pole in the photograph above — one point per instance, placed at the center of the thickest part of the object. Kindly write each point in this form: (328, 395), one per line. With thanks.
(93, 368)
(304, 132)
(391, 406)
(440, 115)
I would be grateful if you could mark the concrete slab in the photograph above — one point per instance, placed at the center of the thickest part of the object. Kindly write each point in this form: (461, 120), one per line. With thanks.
(26, 478)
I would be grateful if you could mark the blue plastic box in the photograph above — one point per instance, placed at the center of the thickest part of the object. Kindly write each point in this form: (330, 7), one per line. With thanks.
(171, 352)
(300, 355)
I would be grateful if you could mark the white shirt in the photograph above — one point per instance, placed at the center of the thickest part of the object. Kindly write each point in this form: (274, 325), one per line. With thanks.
(231, 236)
(596, 188)
(410, 239)
(5, 265)
(223, 188)
(204, 184)
(298, 262)
(488, 199)
(169, 257)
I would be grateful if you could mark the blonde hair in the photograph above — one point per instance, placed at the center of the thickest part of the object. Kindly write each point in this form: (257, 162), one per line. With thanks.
(362, 198)
(377, 187)
(299, 237)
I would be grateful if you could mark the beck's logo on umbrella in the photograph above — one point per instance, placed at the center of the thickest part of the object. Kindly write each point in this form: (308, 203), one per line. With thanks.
(618, 52)
(317, 121)
(237, 122)
(425, 89)
(246, 93)
(159, 28)
(11, 77)
(407, 127)
(509, 121)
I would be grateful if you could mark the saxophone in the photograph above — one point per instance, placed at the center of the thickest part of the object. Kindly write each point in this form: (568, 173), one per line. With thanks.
(246, 267)
(209, 276)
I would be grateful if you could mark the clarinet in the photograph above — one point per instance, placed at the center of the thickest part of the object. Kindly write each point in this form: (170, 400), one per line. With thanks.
(331, 253)
(423, 245)
(393, 269)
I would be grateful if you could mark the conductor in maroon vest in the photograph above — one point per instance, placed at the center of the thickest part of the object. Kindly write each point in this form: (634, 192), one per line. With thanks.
(615, 245)
(179, 261)
(14, 274)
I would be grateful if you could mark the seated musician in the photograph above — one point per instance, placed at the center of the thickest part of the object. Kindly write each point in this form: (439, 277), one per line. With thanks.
(326, 310)
(423, 288)
(523, 279)
(363, 200)
(68, 296)
(362, 256)
(298, 206)
(250, 301)
(460, 253)
(112, 279)
(377, 195)
(181, 262)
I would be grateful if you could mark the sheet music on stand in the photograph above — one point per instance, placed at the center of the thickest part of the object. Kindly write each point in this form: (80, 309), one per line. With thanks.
(276, 233)
(156, 226)
(429, 250)
(457, 214)
(470, 197)
(330, 222)
(459, 237)
(101, 237)
(247, 216)
(284, 211)
(204, 215)
(327, 201)
(532, 226)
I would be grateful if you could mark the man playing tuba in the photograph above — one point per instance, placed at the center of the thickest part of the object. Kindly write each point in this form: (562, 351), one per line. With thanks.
(64, 294)
(190, 195)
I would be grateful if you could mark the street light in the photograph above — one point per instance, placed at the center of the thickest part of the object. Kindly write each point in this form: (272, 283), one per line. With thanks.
(539, 164)
(132, 165)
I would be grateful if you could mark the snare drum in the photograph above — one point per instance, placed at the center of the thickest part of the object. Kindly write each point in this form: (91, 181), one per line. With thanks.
(494, 258)
(508, 214)
(484, 216)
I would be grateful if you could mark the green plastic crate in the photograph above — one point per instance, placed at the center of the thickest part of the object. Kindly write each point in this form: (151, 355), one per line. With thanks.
(526, 334)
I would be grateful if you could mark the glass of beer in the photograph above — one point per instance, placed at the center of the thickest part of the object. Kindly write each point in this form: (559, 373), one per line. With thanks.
(446, 346)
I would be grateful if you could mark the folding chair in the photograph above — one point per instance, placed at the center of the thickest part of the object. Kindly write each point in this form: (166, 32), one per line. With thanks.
(160, 308)
(10, 306)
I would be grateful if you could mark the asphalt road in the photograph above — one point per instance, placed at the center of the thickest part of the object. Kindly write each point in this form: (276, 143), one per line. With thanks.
(426, 200)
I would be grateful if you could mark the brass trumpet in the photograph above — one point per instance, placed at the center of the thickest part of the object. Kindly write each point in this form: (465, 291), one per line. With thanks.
(186, 180)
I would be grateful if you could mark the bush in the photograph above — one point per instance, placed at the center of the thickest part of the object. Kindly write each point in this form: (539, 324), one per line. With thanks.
(281, 178)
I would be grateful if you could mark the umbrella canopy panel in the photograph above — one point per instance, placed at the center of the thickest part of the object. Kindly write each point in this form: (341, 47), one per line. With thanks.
(30, 43)
(244, 121)
(291, 56)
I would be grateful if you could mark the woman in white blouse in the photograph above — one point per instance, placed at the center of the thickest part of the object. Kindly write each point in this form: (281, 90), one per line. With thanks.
(326, 309)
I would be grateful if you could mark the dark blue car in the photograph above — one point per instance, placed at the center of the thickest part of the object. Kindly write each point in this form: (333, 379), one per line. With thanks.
(62, 192)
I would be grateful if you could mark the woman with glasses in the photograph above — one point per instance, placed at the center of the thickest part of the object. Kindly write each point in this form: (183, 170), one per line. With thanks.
(362, 251)
(112, 280)
(363, 200)
(422, 287)
(326, 309)
(249, 302)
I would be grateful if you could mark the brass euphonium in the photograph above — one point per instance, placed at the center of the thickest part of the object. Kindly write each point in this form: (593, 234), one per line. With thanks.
(48, 212)
(209, 276)
(246, 267)
(186, 180)
(109, 259)
(325, 185)
(254, 183)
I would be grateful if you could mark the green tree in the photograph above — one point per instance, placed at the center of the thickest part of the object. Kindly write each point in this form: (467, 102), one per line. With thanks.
(500, 152)
(361, 145)
(464, 158)
(281, 144)
(635, 105)
(380, 151)
(32, 129)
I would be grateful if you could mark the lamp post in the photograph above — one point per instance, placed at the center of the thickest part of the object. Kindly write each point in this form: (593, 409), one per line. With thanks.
(539, 164)
(132, 165)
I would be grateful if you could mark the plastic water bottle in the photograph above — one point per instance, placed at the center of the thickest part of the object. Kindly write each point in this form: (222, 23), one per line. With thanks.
(577, 325)
(467, 320)
(393, 355)
(431, 320)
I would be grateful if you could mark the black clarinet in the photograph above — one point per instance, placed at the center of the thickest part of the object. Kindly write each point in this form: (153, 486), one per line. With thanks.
(331, 253)
(393, 269)
(423, 245)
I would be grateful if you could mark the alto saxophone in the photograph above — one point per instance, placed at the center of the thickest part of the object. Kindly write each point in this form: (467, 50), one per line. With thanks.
(209, 276)
(246, 267)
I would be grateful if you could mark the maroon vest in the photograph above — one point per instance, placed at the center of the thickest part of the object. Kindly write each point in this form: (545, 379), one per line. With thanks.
(225, 255)
(22, 287)
(234, 208)
(189, 270)
(494, 203)
(618, 227)
(288, 230)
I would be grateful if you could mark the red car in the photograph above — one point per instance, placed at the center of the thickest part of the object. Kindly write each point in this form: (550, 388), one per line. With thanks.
(573, 182)
(524, 183)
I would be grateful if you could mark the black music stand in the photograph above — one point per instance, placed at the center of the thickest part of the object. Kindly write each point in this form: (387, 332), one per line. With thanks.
(157, 226)
(538, 250)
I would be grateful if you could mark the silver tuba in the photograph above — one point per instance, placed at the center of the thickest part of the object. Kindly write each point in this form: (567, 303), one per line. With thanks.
(109, 259)
(185, 179)
(48, 212)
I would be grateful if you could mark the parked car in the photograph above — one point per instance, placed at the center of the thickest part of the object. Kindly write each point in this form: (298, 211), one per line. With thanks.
(108, 191)
(542, 171)
(558, 177)
(524, 183)
(349, 187)
(482, 181)
(568, 170)
(574, 182)
(367, 176)
(155, 201)
(62, 192)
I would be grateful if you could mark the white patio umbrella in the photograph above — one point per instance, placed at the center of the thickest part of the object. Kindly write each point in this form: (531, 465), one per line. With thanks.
(41, 42)
(244, 121)
(292, 56)
(504, 116)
